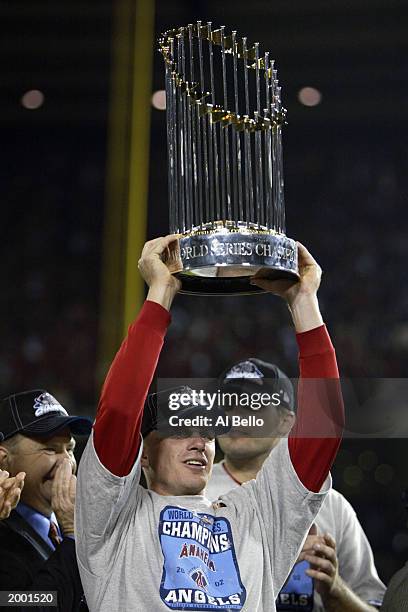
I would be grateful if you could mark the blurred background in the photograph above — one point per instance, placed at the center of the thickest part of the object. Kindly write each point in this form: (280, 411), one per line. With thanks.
(84, 183)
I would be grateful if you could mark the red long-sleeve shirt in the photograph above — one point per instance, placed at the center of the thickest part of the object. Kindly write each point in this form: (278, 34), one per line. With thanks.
(120, 411)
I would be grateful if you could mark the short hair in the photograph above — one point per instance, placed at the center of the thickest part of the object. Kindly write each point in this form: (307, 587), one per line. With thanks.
(12, 442)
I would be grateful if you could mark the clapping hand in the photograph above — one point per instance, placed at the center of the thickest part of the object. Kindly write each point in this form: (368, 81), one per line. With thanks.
(10, 491)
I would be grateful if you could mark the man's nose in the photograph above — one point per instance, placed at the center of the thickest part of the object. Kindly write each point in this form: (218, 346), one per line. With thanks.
(67, 455)
(197, 443)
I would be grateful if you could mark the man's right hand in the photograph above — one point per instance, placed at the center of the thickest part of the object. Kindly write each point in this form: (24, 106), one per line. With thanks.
(163, 286)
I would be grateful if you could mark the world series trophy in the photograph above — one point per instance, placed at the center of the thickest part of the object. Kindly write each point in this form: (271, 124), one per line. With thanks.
(225, 171)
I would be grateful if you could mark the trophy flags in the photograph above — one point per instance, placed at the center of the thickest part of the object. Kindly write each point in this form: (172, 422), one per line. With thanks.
(225, 170)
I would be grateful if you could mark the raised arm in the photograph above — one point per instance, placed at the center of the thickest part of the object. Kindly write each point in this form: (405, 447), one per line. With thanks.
(120, 411)
(316, 437)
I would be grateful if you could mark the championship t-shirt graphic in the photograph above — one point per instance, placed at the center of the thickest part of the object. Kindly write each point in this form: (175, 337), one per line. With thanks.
(200, 570)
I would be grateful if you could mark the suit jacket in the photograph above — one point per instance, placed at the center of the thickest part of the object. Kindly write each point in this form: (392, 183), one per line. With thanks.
(27, 562)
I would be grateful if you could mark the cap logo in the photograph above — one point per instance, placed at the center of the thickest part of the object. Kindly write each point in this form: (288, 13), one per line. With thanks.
(285, 396)
(245, 369)
(45, 403)
(195, 398)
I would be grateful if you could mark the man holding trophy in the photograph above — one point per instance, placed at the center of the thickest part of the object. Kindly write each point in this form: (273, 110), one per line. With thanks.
(168, 547)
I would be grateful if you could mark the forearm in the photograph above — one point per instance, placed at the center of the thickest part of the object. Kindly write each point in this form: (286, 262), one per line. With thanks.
(120, 411)
(315, 439)
(162, 294)
(344, 600)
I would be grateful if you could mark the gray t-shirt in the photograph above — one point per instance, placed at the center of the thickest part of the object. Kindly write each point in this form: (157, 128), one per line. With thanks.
(356, 561)
(139, 551)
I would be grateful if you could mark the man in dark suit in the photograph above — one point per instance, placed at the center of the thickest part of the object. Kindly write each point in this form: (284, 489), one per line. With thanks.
(37, 546)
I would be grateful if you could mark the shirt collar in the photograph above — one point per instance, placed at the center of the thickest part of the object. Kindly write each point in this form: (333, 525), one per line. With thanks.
(39, 522)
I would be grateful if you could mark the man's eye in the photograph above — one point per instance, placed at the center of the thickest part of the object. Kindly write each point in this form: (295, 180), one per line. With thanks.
(49, 450)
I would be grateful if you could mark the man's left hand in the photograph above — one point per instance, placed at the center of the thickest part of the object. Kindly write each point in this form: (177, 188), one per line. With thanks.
(300, 296)
(10, 491)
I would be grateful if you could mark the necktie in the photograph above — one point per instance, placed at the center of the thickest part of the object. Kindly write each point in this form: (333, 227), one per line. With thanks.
(54, 535)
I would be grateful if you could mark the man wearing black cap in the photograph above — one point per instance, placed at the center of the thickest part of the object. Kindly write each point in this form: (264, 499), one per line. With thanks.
(37, 540)
(247, 450)
(346, 579)
(169, 547)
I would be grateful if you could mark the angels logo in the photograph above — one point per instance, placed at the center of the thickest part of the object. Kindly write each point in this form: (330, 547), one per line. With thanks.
(45, 403)
(194, 550)
(199, 578)
(245, 369)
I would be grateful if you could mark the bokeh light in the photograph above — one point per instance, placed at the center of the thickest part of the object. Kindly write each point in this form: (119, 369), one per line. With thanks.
(384, 474)
(353, 475)
(309, 96)
(32, 99)
(159, 100)
(367, 460)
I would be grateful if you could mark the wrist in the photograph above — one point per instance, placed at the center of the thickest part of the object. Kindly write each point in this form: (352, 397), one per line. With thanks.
(163, 294)
(342, 598)
(334, 599)
(305, 312)
(68, 533)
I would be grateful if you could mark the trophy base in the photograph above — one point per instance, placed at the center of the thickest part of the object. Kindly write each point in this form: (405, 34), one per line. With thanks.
(222, 262)
(192, 284)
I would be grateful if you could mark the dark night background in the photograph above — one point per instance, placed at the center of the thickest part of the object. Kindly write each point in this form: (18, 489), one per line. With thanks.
(346, 169)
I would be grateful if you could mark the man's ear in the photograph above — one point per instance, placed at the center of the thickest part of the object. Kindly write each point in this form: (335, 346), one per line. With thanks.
(287, 420)
(4, 458)
(149, 445)
(144, 459)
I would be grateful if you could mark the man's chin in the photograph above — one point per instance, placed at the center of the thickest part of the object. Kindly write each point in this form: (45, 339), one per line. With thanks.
(194, 486)
(41, 501)
(236, 445)
(246, 447)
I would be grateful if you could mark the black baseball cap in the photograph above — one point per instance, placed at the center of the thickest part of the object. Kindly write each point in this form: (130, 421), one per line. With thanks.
(37, 413)
(157, 413)
(254, 375)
